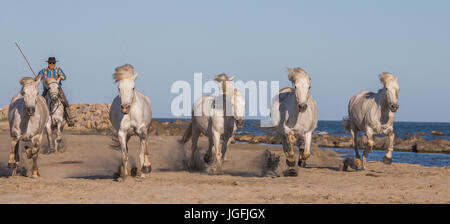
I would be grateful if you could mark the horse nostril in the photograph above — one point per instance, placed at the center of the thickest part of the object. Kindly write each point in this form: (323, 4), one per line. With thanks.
(30, 110)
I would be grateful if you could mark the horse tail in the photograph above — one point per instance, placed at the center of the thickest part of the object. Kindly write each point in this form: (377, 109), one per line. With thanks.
(187, 134)
(115, 143)
(346, 124)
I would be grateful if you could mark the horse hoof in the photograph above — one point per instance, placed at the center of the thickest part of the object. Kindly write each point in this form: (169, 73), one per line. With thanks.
(12, 165)
(387, 160)
(146, 169)
(35, 175)
(302, 163)
(190, 167)
(358, 162)
(289, 163)
(122, 173)
(207, 159)
(211, 171)
(292, 173)
(214, 171)
(344, 167)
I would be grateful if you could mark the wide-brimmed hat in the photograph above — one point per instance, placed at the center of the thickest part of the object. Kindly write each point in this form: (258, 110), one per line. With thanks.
(52, 60)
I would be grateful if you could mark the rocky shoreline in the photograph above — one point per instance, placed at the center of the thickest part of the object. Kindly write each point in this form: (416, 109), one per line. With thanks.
(409, 144)
(94, 118)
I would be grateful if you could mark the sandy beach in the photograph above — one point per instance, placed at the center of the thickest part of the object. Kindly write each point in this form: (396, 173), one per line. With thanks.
(84, 173)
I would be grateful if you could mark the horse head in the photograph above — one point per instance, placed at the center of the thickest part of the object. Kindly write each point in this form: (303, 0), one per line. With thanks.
(391, 89)
(301, 82)
(30, 93)
(225, 84)
(125, 77)
(53, 89)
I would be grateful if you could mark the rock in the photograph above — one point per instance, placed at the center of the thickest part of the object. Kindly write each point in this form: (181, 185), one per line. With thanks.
(243, 138)
(436, 145)
(183, 123)
(260, 139)
(437, 132)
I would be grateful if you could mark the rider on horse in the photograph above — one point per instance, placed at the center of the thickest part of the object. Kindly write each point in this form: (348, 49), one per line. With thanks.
(55, 72)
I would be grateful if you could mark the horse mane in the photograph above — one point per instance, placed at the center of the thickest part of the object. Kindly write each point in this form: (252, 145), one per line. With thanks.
(50, 80)
(386, 77)
(26, 81)
(297, 73)
(222, 77)
(123, 72)
(285, 89)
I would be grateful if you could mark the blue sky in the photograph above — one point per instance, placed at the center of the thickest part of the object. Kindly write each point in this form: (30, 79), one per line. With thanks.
(344, 45)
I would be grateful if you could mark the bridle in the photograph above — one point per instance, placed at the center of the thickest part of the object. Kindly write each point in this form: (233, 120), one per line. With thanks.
(53, 109)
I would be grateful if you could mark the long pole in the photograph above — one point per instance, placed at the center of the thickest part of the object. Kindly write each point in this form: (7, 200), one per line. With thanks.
(25, 59)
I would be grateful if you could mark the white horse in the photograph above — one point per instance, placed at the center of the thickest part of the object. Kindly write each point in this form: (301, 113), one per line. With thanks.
(373, 113)
(56, 109)
(131, 114)
(294, 113)
(217, 117)
(28, 118)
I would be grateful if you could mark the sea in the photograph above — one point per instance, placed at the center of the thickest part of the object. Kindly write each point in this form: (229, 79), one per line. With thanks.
(401, 129)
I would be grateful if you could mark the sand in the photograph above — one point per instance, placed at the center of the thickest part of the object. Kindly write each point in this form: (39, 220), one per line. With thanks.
(83, 173)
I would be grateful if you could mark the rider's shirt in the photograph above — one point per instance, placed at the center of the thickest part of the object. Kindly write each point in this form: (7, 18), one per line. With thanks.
(51, 73)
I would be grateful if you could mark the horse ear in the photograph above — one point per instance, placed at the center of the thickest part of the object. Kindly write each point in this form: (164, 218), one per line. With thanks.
(290, 70)
(231, 79)
(135, 76)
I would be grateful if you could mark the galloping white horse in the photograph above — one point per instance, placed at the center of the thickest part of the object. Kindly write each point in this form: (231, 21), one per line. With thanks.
(28, 117)
(56, 109)
(294, 113)
(131, 114)
(373, 113)
(217, 117)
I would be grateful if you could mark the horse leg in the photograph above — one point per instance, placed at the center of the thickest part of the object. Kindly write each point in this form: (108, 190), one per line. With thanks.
(288, 146)
(216, 153)
(208, 156)
(225, 147)
(58, 135)
(48, 128)
(368, 148)
(145, 155)
(13, 155)
(36, 144)
(124, 149)
(387, 159)
(354, 133)
(307, 151)
(195, 135)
